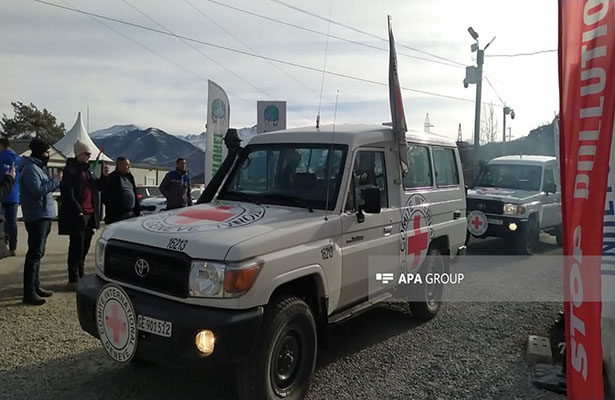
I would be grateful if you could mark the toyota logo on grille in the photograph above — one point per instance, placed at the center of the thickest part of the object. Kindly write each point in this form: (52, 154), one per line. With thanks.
(142, 267)
(481, 206)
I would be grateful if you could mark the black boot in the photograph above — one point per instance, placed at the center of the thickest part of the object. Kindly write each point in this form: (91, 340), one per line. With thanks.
(34, 300)
(44, 293)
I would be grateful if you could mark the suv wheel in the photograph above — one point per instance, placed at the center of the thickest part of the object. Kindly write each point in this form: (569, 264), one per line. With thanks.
(432, 293)
(527, 241)
(559, 236)
(281, 365)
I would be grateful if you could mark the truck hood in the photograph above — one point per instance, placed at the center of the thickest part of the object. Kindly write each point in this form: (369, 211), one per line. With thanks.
(514, 196)
(209, 231)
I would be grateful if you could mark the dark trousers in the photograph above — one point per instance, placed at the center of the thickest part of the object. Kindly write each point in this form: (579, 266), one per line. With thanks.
(10, 223)
(37, 239)
(78, 247)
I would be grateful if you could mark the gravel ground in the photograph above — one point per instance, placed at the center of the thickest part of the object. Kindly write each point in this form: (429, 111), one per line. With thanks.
(471, 350)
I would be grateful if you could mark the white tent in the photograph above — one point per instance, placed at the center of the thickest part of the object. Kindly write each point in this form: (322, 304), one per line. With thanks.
(78, 132)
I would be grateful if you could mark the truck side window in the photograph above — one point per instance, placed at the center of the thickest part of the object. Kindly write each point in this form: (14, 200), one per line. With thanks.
(369, 171)
(419, 168)
(549, 181)
(446, 166)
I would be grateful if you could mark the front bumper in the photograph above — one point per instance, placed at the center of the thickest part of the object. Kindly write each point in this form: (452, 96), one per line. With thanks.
(235, 331)
(498, 225)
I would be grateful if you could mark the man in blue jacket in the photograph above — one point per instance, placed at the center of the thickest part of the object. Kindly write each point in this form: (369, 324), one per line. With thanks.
(8, 160)
(176, 186)
(38, 211)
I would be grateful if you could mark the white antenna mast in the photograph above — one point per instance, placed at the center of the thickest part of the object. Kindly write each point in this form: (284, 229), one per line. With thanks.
(331, 157)
(324, 67)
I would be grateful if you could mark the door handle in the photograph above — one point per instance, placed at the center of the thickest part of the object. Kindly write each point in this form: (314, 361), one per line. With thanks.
(388, 230)
(355, 239)
(456, 214)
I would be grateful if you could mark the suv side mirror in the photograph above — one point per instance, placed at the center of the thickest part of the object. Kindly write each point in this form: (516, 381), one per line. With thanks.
(371, 197)
(550, 187)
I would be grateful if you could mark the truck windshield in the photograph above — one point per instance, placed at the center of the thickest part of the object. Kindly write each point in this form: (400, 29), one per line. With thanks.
(520, 177)
(297, 175)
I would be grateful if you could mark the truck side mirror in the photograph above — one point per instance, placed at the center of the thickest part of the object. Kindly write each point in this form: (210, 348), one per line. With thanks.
(550, 187)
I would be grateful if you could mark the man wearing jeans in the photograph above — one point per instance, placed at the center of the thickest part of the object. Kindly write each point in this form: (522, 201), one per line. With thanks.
(9, 159)
(37, 208)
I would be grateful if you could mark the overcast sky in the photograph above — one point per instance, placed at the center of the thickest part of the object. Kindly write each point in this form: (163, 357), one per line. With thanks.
(65, 61)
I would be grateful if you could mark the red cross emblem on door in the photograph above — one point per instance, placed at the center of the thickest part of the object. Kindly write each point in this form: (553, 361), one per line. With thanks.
(418, 242)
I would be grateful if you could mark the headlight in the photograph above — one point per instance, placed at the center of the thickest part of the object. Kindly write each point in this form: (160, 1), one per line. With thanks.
(206, 279)
(99, 258)
(512, 209)
(213, 279)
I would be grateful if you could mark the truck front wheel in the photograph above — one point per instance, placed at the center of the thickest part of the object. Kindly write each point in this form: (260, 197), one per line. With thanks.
(429, 290)
(527, 241)
(282, 362)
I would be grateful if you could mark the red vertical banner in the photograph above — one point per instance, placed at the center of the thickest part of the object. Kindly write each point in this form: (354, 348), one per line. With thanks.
(587, 95)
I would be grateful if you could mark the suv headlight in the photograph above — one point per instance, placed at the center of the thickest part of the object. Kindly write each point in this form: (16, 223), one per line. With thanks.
(512, 209)
(214, 279)
(99, 257)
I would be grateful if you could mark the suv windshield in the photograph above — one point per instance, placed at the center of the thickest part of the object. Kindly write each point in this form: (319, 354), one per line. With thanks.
(287, 174)
(520, 177)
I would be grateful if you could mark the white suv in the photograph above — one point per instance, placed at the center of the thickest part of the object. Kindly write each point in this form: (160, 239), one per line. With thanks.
(255, 277)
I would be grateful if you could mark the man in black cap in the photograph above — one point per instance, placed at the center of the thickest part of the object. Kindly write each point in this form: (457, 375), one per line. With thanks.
(38, 211)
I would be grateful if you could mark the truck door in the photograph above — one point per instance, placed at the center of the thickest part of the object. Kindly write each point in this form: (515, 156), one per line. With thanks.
(375, 236)
(551, 206)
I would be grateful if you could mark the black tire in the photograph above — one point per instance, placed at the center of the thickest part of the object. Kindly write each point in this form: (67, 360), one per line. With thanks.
(559, 236)
(468, 236)
(432, 294)
(283, 360)
(527, 240)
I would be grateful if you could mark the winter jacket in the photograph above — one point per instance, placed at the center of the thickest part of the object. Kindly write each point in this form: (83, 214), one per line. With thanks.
(111, 196)
(7, 159)
(71, 189)
(176, 188)
(6, 184)
(35, 189)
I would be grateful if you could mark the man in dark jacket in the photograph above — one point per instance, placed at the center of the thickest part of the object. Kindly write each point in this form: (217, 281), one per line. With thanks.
(35, 189)
(9, 159)
(176, 186)
(120, 193)
(6, 185)
(79, 209)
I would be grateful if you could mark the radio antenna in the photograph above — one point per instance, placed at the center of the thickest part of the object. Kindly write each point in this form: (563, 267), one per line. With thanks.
(324, 67)
(331, 157)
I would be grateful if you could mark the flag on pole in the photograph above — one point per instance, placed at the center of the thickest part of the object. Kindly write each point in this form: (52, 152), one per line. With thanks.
(398, 118)
(587, 106)
(218, 118)
(95, 165)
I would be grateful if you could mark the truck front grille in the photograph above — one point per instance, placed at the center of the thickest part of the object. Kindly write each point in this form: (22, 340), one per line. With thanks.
(167, 271)
(486, 206)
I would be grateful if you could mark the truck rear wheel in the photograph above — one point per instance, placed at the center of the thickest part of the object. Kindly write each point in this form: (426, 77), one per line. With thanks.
(432, 293)
(282, 362)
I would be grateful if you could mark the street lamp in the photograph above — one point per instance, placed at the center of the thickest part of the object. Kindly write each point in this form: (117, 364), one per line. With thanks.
(507, 110)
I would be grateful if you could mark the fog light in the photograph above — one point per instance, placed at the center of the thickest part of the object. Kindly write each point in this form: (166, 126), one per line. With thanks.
(512, 226)
(205, 342)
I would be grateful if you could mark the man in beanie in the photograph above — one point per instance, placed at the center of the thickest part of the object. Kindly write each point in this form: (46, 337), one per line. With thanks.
(35, 189)
(79, 208)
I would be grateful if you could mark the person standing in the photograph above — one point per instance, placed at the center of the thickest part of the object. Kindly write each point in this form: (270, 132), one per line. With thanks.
(6, 185)
(79, 209)
(35, 189)
(176, 186)
(8, 160)
(120, 193)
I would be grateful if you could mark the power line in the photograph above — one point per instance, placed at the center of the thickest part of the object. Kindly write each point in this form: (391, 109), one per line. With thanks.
(522, 54)
(455, 65)
(293, 64)
(496, 92)
(301, 10)
(187, 43)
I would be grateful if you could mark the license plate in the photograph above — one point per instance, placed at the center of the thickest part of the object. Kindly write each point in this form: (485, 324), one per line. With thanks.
(495, 221)
(154, 326)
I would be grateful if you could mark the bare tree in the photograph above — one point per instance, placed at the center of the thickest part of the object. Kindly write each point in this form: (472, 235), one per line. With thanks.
(489, 125)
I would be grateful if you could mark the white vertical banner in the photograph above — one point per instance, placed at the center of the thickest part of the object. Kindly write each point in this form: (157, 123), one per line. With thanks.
(271, 116)
(218, 120)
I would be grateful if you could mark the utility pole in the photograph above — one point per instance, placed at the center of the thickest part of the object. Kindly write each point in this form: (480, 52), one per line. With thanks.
(459, 135)
(475, 75)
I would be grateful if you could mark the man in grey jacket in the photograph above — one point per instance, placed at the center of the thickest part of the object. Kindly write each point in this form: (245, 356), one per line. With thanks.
(38, 211)
(176, 186)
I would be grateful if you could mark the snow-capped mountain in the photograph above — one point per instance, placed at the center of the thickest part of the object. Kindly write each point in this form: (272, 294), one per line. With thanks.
(114, 130)
(198, 139)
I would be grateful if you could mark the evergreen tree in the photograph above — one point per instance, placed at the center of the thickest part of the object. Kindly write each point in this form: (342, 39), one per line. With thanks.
(29, 121)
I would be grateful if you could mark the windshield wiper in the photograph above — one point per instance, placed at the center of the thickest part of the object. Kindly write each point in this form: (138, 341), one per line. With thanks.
(294, 201)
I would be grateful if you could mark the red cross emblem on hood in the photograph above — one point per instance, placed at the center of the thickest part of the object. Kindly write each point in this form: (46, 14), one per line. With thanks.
(216, 214)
